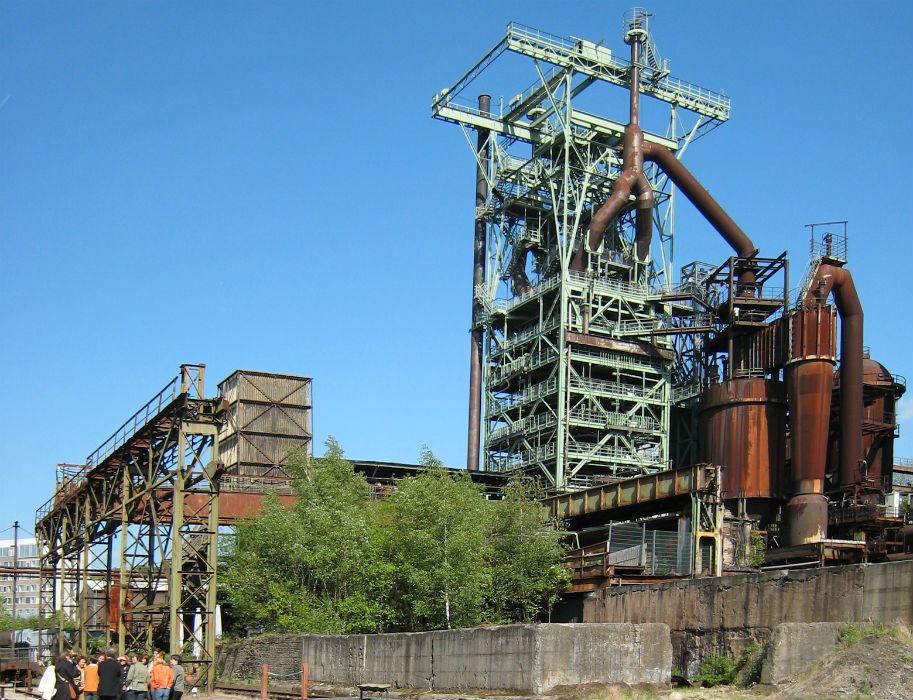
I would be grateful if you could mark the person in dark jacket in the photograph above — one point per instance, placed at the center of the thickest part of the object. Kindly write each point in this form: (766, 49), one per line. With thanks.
(109, 685)
(66, 673)
(125, 694)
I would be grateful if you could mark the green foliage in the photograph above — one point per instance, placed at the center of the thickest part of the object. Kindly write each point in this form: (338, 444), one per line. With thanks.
(30, 622)
(880, 629)
(435, 554)
(716, 670)
(95, 645)
(436, 526)
(526, 556)
(747, 669)
(757, 550)
(850, 635)
(317, 567)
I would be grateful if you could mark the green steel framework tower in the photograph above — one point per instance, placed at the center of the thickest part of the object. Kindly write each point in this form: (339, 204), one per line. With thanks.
(573, 371)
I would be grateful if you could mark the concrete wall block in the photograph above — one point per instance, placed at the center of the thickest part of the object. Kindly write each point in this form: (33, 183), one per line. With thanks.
(603, 653)
(886, 594)
(762, 600)
(485, 657)
(403, 660)
(793, 647)
(332, 658)
(523, 658)
(717, 615)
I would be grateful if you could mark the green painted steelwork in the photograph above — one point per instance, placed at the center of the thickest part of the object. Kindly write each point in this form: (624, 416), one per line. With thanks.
(578, 366)
(652, 489)
(150, 493)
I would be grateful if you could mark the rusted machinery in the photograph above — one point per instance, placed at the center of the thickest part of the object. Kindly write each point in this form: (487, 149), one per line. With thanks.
(806, 447)
(596, 369)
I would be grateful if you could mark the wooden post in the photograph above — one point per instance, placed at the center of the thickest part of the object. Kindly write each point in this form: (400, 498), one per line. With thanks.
(264, 681)
(304, 680)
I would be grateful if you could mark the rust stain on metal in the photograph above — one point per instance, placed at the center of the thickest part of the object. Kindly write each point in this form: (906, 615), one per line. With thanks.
(830, 278)
(742, 424)
(807, 518)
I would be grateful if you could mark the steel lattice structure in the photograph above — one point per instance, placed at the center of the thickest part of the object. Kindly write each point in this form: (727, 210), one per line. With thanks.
(578, 364)
(136, 528)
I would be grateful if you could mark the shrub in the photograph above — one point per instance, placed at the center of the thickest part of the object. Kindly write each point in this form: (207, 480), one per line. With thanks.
(717, 670)
(850, 635)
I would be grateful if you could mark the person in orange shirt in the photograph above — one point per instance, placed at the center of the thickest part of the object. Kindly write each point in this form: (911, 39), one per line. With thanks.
(90, 679)
(160, 680)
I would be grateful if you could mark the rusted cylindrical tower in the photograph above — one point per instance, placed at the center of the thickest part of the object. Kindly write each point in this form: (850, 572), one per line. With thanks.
(741, 425)
(881, 390)
(809, 383)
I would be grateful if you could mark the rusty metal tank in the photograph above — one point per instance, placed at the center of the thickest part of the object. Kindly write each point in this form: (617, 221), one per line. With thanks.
(881, 390)
(809, 382)
(879, 419)
(742, 427)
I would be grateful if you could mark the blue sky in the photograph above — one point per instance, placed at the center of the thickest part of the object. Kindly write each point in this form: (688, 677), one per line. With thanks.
(260, 185)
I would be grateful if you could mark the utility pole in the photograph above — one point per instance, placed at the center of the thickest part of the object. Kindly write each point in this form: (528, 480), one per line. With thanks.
(15, 583)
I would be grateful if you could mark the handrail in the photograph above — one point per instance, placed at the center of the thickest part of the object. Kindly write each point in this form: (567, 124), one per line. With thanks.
(618, 389)
(133, 424)
(628, 361)
(664, 87)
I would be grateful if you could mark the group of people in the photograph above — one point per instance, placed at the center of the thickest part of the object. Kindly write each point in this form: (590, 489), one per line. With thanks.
(112, 677)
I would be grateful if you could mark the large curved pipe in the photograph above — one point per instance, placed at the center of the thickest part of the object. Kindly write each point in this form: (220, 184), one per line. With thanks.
(838, 280)
(709, 208)
(631, 180)
(518, 277)
(701, 199)
(636, 151)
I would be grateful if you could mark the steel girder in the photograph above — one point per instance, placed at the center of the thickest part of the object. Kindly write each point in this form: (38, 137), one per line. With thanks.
(139, 529)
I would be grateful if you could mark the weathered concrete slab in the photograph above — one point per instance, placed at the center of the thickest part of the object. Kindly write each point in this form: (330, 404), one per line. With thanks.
(724, 615)
(486, 657)
(794, 646)
(521, 658)
(583, 653)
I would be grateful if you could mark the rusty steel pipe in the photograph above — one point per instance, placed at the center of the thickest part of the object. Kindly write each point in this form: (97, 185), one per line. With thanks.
(634, 107)
(478, 278)
(519, 280)
(264, 681)
(631, 179)
(636, 151)
(838, 280)
(702, 200)
(809, 386)
(634, 159)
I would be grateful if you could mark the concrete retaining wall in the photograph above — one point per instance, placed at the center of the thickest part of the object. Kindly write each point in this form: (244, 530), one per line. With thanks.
(794, 646)
(523, 658)
(723, 615)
